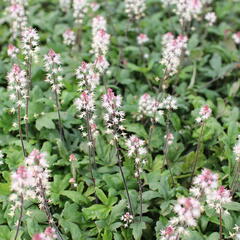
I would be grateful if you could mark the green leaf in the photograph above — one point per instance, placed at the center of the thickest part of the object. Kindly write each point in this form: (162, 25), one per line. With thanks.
(101, 195)
(138, 229)
(233, 206)
(75, 196)
(98, 211)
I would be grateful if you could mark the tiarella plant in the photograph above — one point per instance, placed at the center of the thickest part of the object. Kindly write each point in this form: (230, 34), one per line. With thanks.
(146, 141)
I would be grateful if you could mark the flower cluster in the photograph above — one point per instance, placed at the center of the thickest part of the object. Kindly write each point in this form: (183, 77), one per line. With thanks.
(127, 218)
(135, 9)
(113, 116)
(170, 103)
(236, 37)
(98, 22)
(137, 150)
(187, 9)
(173, 49)
(211, 18)
(188, 211)
(206, 187)
(65, 5)
(12, 51)
(30, 181)
(204, 183)
(217, 198)
(236, 234)
(18, 18)
(69, 37)
(142, 38)
(150, 107)
(53, 68)
(169, 138)
(86, 106)
(48, 234)
(100, 43)
(30, 40)
(204, 113)
(88, 76)
(17, 85)
(80, 8)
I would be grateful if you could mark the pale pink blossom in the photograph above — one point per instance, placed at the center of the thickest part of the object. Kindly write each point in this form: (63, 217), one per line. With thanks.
(53, 68)
(142, 38)
(18, 18)
(211, 18)
(173, 50)
(69, 37)
(188, 210)
(12, 51)
(204, 113)
(127, 218)
(149, 107)
(17, 85)
(135, 9)
(236, 37)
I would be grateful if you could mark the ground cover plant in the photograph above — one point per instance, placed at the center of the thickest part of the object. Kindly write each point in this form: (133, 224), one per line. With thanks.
(119, 119)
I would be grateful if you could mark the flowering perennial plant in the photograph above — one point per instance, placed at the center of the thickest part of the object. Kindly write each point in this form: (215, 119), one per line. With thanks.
(86, 106)
(18, 18)
(211, 18)
(98, 22)
(53, 68)
(217, 198)
(142, 38)
(236, 37)
(127, 218)
(100, 43)
(88, 76)
(30, 44)
(80, 8)
(12, 51)
(188, 211)
(65, 5)
(69, 37)
(135, 9)
(173, 50)
(204, 113)
(137, 150)
(113, 116)
(17, 85)
(149, 107)
(48, 234)
(204, 183)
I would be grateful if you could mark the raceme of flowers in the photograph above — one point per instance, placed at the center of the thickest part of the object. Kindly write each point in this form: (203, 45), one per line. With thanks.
(30, 181)
(17, 85)
(142, 38)
(30, 41)
(135, 9)
(18, 18)
(173, 50)
(53, 68)
(137, 150)
(204, 113)
(69, 37)
(113, 116)
(12, 51)
(149, 107)
(48, 234)
(80, 8)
